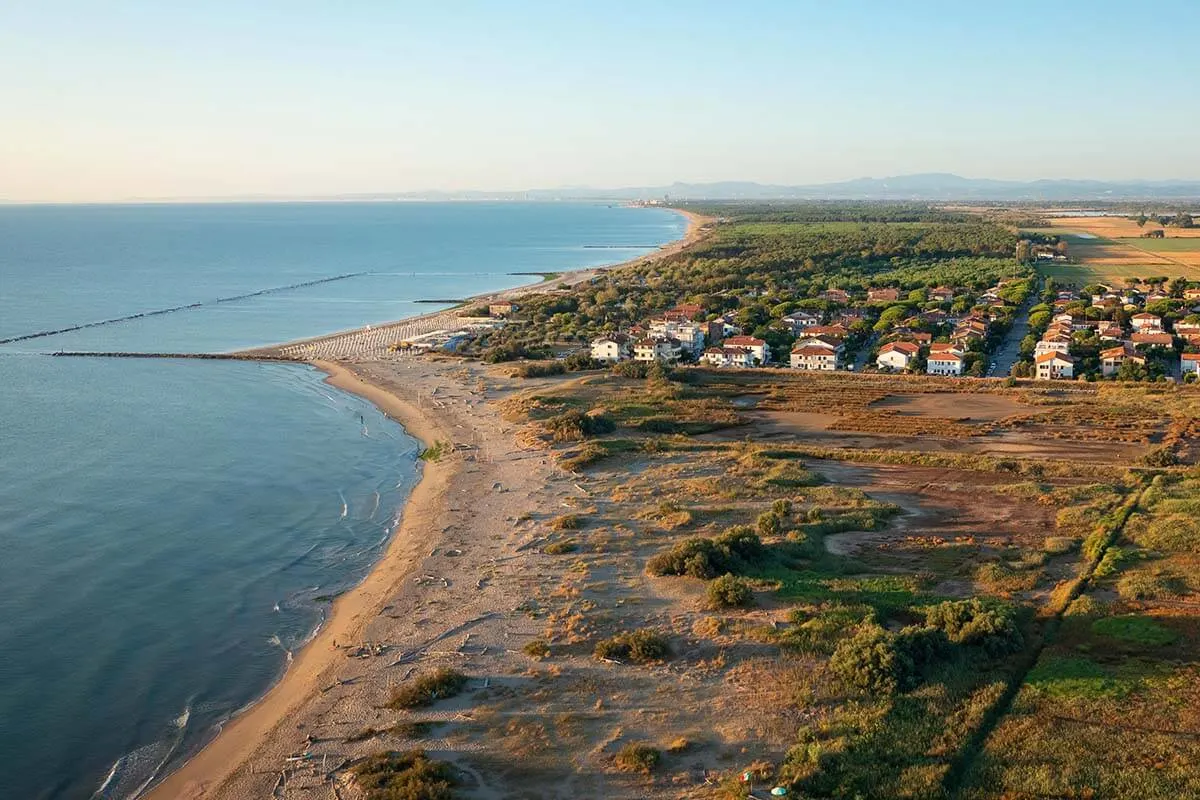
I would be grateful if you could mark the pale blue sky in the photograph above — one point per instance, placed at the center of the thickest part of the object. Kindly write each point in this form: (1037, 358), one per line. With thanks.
(157, 98)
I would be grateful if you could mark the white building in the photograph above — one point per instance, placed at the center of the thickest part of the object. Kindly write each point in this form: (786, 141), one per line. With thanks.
(1146, 323)
(815, 354)
(1051, 346)
(757, 347)
(611, 349)
(728, 357)
(945, 362)
(1054, 366)
(797, 321)
(897, 355)
(690, 335)
(657, 349)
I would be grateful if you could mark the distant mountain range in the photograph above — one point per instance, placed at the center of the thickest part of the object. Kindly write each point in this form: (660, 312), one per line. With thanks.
(924, 187)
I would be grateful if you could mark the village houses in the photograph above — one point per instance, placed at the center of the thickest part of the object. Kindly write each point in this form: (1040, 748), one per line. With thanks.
(944, 359)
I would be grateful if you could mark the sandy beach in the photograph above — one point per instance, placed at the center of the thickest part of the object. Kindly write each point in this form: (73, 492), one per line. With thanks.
(446, 592)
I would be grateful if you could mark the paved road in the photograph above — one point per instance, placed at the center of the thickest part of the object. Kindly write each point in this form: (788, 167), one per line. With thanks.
(1009, 351)
(860, 358)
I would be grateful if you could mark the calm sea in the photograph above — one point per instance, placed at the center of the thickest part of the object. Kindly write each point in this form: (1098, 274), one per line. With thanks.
(170, 531)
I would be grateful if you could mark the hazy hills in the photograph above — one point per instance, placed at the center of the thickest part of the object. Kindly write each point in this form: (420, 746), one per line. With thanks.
(930, 186)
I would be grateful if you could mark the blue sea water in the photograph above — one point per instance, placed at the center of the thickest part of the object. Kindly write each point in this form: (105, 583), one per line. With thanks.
(170, 530)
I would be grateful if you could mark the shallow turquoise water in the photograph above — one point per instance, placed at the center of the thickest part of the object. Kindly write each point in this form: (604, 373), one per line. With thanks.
(168, 528)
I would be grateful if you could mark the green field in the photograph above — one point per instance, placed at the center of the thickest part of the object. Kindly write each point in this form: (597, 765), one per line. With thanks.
(1181, 244)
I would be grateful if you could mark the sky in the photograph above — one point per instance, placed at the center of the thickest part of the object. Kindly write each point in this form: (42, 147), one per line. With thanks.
(150, 99)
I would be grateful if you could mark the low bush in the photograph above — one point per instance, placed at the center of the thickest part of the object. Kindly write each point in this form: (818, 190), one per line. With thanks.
(404, 776)
(1059, 545)
(705, 558)
(539, 369)
(574, 425)
(566, 522)
(636, 757)
(427, 689)
(560, 548)
(729, 591)
(538, 648)
(640, 647)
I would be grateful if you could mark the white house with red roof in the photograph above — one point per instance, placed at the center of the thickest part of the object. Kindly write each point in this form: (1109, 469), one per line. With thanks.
(757, 347)
(1054, 366)
(897, 355)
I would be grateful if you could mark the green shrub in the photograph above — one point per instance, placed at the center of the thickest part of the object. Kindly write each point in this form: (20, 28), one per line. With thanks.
(566, 522)
(705, 558)
(975, 623)
(537, 648)
(1114, 557)
(539, 369)
(870, 661)
(769, 524)
(640, 647)
(404, 776)
(427, 689)
(729, 591)
(573, 425)
(636, 757)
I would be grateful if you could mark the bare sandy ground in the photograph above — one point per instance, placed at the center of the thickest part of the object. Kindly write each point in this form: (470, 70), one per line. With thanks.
(443, 594)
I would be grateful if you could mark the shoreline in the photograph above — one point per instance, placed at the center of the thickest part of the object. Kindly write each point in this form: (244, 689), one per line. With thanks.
(219, 761)
(349, 615)
(694, 228)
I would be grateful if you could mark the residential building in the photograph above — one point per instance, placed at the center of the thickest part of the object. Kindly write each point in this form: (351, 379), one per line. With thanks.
(1153, 339)
(657, 349)
(728, 357)
(897, 355)
(1054, 366)
(1112, 358)
(835, 296)
(690, 334)
(757, 347)
(501, 308)
(943, 294)
(1056, 345)
(815, 355)
(613, 348)
(882, 295)
(1192, 293)
(1190, 363)
(944, 361)
(1146, 322)
(799, 320)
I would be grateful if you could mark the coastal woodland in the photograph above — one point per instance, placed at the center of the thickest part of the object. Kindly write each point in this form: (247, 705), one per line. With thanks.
(833, 585)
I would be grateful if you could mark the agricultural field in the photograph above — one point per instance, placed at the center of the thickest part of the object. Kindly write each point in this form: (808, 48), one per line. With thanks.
(875, 586)
(1111, 248)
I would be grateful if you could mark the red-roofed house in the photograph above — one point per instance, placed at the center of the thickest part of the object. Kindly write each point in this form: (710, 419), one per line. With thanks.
(757, 347)
(1054, 366)
(897, 355)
